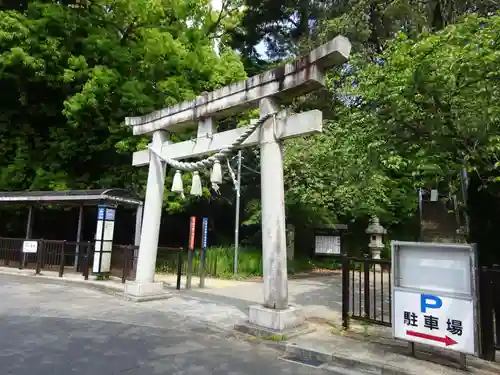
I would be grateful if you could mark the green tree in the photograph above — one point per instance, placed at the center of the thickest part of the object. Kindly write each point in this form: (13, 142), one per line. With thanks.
(436, 100)
(285, 26)
(69, 74)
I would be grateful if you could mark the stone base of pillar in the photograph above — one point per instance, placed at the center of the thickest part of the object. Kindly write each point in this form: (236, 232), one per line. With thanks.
(266, 322)
(144, 291)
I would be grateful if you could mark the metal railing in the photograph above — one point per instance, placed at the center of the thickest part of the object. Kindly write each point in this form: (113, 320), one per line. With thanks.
(51, 255)
(65, 256)
(54, 255)
(176, 260)
(366, 290)
(11, 252)
(124, 260)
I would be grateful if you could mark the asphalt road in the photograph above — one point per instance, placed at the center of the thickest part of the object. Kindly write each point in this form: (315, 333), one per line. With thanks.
(55, 329)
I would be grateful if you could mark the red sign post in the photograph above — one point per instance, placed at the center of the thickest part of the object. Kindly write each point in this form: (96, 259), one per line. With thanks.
(192, 228)
(189, 272)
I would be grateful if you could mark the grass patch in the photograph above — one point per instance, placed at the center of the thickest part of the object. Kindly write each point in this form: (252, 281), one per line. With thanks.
(277, 338)
(308, 265)
(220, 262)
(102, 277)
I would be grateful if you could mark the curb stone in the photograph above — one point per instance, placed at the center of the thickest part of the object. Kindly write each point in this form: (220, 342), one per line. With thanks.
(343, 361)
(331, 361)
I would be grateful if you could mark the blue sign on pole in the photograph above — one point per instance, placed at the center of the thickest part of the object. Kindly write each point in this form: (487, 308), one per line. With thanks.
(110, 214)
(204, 242)
(100, 213)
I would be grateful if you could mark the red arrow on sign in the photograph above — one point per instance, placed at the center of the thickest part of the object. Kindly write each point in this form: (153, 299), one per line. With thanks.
(445, 340)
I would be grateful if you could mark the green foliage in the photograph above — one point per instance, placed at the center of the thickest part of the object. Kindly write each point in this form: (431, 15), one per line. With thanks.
(412, 116)
(69, 75)
(418, 99)
(436, 101)
(287, 27)
(350, 171)
(338, 175)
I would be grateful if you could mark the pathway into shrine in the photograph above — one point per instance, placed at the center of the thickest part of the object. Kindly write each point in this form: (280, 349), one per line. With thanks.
(51, 329)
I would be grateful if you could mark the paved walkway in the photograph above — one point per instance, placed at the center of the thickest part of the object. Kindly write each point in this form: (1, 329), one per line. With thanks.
(320, 296)
(221, 315)
(221, 307)
(49, 328)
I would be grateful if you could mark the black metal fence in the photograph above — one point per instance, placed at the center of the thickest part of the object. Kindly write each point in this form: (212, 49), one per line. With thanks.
(366, 290)
(168, 261)
(124, 260)
(489, 300)
(51, 255)
(66, 256)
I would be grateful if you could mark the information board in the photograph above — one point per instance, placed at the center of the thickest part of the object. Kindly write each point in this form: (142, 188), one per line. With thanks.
(325, 244)
(434, 295)
(30, 247)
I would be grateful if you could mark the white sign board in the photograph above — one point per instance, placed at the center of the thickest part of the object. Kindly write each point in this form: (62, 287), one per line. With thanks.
(104, 239)
(109, 227)
(327, 244)
(30, 247)
(105, 262)
(107, 233)
(434, 295)
(99, 231)
(434, 320)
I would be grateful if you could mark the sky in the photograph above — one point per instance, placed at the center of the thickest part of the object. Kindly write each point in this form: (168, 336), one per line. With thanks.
(261, 50)
(261, 47)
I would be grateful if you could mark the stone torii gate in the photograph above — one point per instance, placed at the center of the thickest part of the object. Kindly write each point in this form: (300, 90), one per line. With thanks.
(267, 91)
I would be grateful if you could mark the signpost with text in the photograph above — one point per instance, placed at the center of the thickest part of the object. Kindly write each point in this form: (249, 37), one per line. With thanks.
(203, 255)
(189, 271)
(434, 295)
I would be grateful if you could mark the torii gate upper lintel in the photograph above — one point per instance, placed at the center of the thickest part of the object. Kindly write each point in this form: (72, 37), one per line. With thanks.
(293, 79)
(267, 91)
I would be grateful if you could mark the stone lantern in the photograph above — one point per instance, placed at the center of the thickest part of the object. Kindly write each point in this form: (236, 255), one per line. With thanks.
(376, 233)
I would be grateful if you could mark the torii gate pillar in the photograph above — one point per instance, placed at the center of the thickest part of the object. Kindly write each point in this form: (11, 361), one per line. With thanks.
(267, 91)
(273, 213)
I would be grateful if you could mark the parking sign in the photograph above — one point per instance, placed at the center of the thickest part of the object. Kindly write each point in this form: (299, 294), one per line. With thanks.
(434, 295)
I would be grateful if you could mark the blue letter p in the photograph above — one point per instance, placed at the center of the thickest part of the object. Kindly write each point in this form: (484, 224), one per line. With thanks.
(425, 300)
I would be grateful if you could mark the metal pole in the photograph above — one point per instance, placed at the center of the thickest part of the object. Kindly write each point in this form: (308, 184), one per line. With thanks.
(29, 230)
(62, 259)
(345, 291)
(138, 225)
(29, 224)
(179, 269)
(237, 215)
(78, 237)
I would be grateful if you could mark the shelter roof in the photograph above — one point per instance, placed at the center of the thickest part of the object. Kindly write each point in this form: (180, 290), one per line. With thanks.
(70, 197)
